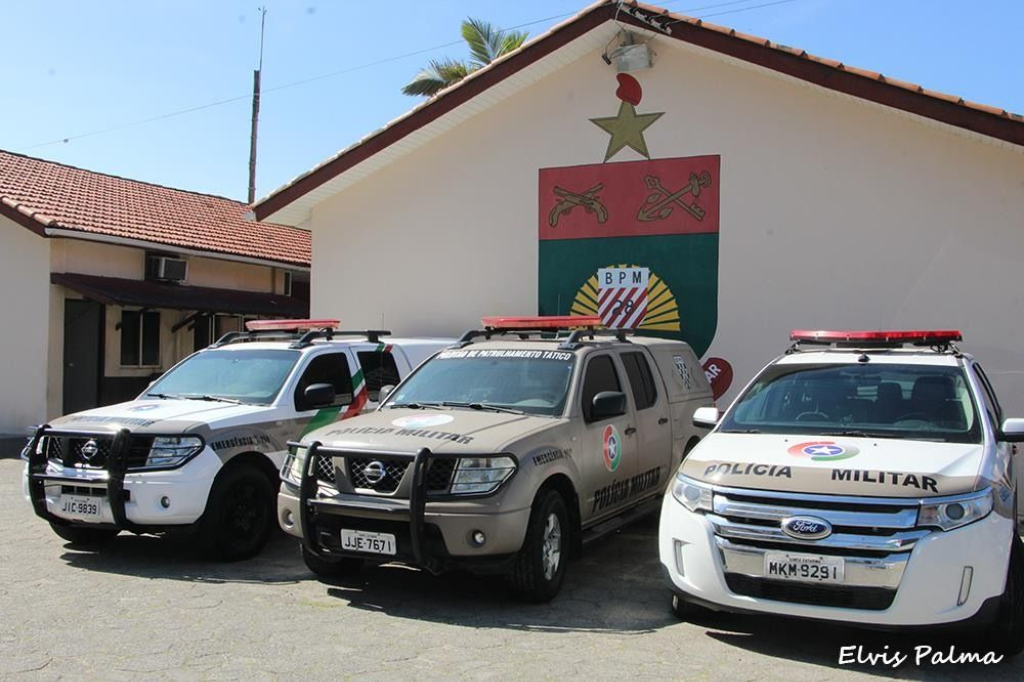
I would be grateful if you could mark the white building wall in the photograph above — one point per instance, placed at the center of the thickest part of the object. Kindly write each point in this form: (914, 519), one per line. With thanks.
(24, 281)
(834, 214)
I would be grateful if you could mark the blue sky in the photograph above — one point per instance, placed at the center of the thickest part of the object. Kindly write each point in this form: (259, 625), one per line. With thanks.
(73, 68)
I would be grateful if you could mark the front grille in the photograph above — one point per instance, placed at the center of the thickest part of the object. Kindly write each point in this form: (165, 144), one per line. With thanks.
(865, 598)
(325, 468)
(859, 526)
(866, 505)
(439, 475)
(68, 450)
(394, 470)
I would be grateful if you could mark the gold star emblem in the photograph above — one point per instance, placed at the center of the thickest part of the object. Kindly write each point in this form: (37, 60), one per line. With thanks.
(626, 129)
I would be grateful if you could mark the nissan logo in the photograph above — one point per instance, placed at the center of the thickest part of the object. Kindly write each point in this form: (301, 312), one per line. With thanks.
(806, 527)
(89, 450)
(374, 472)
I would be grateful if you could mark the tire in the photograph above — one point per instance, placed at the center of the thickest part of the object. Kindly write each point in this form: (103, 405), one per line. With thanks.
(330, 568)
(86, 537)
(539, 567)
(239, 515)
(1006, 635)
(682, 609)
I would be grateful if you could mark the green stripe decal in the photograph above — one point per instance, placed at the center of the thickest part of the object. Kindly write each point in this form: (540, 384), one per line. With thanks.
(323, 417)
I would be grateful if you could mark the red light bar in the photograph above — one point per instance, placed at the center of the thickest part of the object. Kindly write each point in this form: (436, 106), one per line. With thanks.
(542, 322)
(924, 337)
(290, 325)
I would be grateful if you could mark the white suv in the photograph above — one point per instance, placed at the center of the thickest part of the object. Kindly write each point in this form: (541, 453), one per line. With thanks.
(201, 448)
(862, 477)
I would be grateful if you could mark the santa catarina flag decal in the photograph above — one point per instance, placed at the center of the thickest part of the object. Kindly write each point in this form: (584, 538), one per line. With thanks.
(823, 451)
(654, 223)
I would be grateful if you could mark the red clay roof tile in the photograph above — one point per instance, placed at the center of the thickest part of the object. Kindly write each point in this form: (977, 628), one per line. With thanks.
(57, 196)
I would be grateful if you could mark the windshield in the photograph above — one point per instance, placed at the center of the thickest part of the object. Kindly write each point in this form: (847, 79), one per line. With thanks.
(531, 381)
(917, 402)
(247, 376)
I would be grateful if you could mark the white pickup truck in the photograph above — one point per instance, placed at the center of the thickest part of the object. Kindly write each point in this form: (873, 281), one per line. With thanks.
(200, 450)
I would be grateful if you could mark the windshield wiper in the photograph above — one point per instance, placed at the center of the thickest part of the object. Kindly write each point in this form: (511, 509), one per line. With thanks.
(856, 433)
(742, 431)
(416, 406)
(483, 406)
(165, 396)
(213, 398)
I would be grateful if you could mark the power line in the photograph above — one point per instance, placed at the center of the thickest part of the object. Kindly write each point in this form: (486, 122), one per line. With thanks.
(361, 67)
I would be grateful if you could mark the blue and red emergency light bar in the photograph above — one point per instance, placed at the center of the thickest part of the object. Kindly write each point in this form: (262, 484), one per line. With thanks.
(878, 338)
(542, 322)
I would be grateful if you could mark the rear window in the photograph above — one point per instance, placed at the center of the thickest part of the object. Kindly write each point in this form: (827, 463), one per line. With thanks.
(917, 402)
(379, 369)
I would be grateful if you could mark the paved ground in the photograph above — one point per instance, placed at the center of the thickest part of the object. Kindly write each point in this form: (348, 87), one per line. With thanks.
(144, 607)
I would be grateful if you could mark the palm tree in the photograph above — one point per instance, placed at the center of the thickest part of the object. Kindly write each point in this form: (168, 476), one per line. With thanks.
(486, 44)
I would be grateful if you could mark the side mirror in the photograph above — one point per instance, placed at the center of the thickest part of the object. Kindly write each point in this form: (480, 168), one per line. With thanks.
(318, 395)
(706, 417)
(608, 404)
(384, 392)
(1013, 431)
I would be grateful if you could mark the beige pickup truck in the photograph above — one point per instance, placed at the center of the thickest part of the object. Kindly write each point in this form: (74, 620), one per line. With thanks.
(501, 454)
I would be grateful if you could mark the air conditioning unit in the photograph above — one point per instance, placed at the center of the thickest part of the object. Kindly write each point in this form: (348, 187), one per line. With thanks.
(166, 269)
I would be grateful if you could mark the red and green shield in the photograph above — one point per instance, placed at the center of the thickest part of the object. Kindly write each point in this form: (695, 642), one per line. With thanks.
(661, 215)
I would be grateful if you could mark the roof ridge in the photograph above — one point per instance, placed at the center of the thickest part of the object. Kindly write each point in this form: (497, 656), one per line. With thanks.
(127, 179)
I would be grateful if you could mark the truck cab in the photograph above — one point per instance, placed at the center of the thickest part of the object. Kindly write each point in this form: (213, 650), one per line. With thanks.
(861, 477)
(199, 451)
(501, 454)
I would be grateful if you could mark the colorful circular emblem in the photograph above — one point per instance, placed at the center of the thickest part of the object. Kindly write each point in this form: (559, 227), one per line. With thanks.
(422, 421)
(612, 448)
(823, 451)
(662, 309)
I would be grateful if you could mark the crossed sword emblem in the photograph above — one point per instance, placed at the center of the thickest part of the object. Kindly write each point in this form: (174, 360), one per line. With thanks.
(661, 202)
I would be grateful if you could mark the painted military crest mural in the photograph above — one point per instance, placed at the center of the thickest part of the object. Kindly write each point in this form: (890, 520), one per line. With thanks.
(635, 242)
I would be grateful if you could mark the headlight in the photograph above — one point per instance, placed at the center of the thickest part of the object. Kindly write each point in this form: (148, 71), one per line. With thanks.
(954, 512)
(481, 475)
(291, 470)
(169, 451)
(692, 495)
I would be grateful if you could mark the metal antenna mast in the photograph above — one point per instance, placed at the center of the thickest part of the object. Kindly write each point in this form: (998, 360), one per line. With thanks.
(256, 110)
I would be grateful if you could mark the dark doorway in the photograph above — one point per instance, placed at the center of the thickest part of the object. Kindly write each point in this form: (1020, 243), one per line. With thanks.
(83, 324)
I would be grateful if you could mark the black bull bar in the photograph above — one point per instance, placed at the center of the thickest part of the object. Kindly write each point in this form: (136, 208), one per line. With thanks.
(117, 465)
(416, 505)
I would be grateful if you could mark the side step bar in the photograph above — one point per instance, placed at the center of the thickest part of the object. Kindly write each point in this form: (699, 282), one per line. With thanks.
(613, 524)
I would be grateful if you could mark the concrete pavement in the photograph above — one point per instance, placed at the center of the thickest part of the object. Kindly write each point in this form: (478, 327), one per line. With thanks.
(146, 607)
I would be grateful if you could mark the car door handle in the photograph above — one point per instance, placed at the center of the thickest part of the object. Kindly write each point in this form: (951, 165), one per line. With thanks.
(663, 421)
(630, 430)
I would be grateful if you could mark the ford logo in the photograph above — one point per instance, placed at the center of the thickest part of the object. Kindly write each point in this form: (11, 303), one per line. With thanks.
(374, 472)
(89, 450)
(806, 527)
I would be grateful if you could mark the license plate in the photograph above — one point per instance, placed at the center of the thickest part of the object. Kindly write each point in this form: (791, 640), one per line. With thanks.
(365, 541)
(81, 507)
(808, 568)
